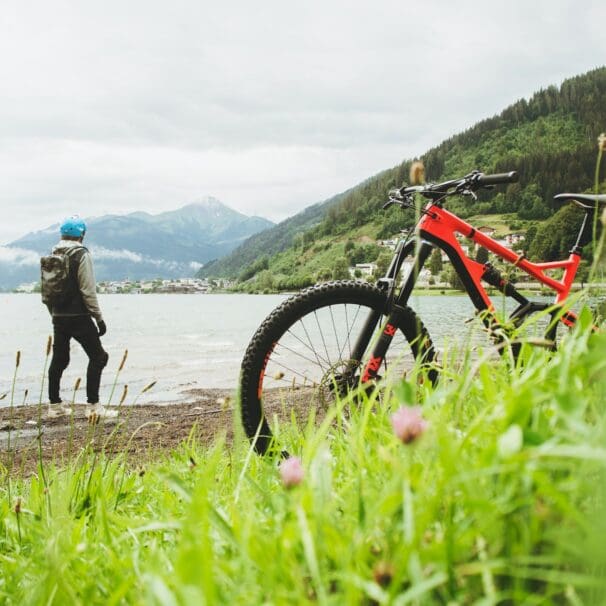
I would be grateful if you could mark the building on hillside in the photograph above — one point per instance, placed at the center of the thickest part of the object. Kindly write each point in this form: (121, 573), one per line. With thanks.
(391, 243)
(366, 269)
(514, 239)
(424, 274)
(487, 230)
(185, 285)
(28, 287)
(464, 248)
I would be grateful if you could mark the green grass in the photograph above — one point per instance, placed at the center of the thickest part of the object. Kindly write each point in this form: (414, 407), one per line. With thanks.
(499, 501)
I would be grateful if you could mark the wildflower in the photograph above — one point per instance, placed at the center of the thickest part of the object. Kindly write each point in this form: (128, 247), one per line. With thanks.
(77, 384)
(49, 344)
(18, 360)
(383, 573)
(417, 173)
(602, 142)
(18, 506)
(408, 424)
(124, 394)
(291, 472)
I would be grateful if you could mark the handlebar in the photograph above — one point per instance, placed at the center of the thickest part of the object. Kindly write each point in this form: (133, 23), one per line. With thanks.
(469, 183)
(465, 186)
(497, 179)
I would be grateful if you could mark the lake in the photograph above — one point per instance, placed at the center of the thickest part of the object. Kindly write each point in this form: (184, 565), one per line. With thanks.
(180, 341)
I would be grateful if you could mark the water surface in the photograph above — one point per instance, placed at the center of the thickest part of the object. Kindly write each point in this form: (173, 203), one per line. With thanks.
(180, 341)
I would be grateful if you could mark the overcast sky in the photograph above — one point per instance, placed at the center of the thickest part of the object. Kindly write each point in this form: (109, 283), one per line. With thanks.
(116, 106)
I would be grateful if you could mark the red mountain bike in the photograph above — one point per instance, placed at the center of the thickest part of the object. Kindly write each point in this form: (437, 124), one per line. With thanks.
(332, 337)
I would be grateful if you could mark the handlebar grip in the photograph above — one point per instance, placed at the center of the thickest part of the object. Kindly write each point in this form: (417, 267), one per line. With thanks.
(510, 177)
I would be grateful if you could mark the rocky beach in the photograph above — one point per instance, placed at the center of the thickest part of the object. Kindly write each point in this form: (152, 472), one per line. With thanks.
(143, 431)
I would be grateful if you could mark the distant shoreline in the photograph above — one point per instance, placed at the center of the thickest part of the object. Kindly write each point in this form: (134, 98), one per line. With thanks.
(531, 288)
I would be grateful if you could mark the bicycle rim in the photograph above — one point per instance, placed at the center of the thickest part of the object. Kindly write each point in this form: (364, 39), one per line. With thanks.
(301, 359)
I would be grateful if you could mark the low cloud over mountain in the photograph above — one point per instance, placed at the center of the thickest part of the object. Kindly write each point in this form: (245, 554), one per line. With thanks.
(140, 245)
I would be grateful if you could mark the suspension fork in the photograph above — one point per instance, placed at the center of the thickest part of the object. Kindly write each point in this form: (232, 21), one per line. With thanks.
(387, 284)
(396, 313)
(423, 250)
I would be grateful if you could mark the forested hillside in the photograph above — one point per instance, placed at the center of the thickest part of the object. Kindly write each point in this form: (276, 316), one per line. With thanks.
(550, 139)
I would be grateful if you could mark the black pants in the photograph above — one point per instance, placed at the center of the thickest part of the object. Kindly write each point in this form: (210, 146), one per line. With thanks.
(83, 329)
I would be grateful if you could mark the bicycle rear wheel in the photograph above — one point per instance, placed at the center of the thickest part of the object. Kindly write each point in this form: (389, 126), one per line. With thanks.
(301, 357)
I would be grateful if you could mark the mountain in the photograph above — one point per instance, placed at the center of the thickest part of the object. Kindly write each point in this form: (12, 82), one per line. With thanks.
(140, 245)
(255, 249)
(550, 139)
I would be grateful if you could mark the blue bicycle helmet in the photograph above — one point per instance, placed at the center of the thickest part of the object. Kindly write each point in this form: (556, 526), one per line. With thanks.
(73, 226)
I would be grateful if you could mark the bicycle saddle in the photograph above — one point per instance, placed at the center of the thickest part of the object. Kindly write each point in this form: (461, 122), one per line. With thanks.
(586, 201)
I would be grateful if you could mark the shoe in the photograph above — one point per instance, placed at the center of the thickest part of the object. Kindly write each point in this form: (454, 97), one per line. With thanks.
(55, 410)
(91, 415)
(107, 412)
(96, 412)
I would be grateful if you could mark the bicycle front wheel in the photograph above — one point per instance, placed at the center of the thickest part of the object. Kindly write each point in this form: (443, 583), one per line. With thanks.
(303, 354)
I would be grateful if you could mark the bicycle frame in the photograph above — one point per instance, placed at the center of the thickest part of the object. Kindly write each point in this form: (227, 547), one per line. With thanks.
(438, 227)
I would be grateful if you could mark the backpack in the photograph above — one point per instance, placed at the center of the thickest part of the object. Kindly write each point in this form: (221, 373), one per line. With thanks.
(56, 285)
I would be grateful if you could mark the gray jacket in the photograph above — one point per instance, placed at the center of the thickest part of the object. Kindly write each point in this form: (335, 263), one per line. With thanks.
(85, 279)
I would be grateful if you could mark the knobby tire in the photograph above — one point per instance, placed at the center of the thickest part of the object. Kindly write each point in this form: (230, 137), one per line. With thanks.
(291, 330)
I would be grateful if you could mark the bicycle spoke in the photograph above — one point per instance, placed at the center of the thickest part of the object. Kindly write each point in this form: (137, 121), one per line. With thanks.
(301, 358)
(332, 319)
(311, 346)
(290, 332)
(296, 353)
(292, 370)
(350, 328)
(322, 337)
(300, 346)
(347, 324)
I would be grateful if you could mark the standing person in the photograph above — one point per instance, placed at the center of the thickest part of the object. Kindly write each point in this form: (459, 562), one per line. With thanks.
(70, 293)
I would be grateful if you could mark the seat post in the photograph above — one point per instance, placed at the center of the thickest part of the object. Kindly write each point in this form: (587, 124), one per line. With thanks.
(589, 203)
(578, 247)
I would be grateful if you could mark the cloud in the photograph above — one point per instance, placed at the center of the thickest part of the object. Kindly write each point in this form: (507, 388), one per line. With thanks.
(115, 179)
(100, 253)
(22, 257)
(115, 107)
(19, 256)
